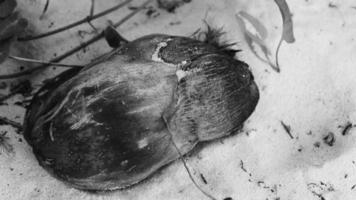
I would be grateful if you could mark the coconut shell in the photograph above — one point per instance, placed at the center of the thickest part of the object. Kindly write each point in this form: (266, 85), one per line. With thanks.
(113, 124)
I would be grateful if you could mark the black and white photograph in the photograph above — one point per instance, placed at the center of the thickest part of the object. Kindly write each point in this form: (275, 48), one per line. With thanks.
(177, 100)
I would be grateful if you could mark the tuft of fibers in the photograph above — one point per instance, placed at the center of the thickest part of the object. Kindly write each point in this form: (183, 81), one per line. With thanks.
(213, 36)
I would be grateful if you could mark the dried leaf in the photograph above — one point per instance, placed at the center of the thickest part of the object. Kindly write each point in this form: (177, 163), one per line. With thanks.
(260, 42)
(287, 34)
(260, 28)
(251, 39)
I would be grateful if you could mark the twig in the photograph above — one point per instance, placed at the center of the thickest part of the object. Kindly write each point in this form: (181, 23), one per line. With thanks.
(84, 20)
(6, 121)
(242, 166)
(203, 179)
(92, 8)
(91, 13)
(185, 164)
(45, 7)
(347, 128)
(42, 62)
(75, 49)
(287, 129)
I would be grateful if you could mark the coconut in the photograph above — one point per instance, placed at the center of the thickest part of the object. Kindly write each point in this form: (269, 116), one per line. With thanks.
(113, 124)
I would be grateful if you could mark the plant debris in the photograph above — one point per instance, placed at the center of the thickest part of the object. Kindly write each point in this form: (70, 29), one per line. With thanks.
(287, 34)
(287, 128)
(242, 166)
(329, 139)
(347, 128)
(258, 39)
(80, 46)
(45, 7)
(203, 179)
(318, 189)
(260, 28)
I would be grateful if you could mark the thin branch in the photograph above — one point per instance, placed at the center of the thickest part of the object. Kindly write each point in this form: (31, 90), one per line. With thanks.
(287, 129)
(347, 128)
(76, 49)
(185, 164)
(84, 20)
(42, 62)
(45, 7)
(92, 8)
(91, 13)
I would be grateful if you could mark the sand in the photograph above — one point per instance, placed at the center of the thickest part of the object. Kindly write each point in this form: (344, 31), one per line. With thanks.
(314, 95)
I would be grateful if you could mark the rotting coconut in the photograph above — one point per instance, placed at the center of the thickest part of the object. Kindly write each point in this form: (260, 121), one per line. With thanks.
(116, 122)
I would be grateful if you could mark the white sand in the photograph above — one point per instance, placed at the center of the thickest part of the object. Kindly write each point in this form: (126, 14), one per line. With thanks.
(315, 92)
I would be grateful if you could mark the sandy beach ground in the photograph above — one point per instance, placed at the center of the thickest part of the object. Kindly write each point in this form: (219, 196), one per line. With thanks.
(314, 95)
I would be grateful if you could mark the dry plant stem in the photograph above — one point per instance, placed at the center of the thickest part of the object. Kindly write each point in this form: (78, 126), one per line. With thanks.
(91, 13)
(92, 8)
(190, 174)
(185, 164)
(45, 7)
(76, 49)
(277, 69)
(42, 62)
(10, 122)
(86, 19)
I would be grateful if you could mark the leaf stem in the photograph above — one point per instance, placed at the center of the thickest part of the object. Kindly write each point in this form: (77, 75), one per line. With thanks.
(184, 163)
(277, 69)
(84, 20)
(42, 62)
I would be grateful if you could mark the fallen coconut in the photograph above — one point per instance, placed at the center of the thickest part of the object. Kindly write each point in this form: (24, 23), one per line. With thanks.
(114, 123)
